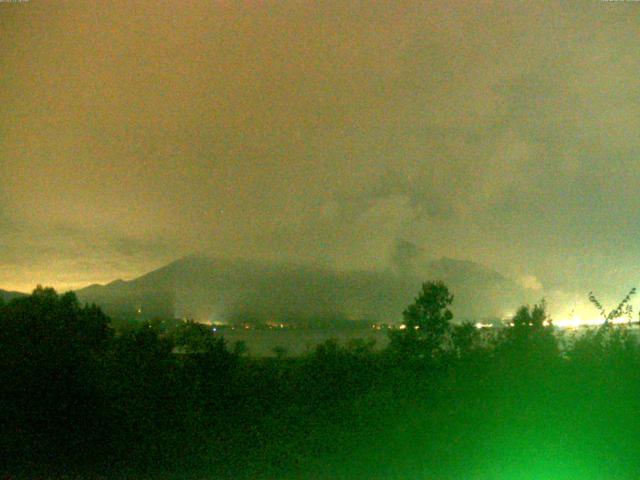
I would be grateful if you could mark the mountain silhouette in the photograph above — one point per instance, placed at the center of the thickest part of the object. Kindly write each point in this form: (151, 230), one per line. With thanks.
(215, 289)
(7, 296)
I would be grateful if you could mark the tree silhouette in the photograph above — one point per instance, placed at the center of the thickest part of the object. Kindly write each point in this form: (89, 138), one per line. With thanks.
(623, 308)
(426, 322)
(466, 339)
(50, 360)
(197, 338)
(530, 337)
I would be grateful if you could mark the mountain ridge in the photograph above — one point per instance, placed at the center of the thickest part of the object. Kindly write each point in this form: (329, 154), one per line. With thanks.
(216, 289)
(8, 295)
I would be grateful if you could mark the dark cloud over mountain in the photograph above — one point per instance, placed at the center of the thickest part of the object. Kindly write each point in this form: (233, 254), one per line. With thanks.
(504, 133)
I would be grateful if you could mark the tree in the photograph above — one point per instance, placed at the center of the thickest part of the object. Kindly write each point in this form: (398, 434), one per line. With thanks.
(51, 353)
(624, 307)
(608, 342)
(530, 336)
(197, 338)
(426, 322)
(529, 320)
(466, 340)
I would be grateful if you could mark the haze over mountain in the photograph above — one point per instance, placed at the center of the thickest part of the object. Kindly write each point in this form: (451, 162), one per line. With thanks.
(7, 296)
(215, 289)
(501, 132)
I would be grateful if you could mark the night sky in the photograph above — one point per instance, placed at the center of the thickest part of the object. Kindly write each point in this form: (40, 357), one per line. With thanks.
(506, 133)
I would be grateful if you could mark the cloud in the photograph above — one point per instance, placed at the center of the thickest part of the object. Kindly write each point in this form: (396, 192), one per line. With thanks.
(405, 255)
(530, 282)
(503, 133)
(68, 257)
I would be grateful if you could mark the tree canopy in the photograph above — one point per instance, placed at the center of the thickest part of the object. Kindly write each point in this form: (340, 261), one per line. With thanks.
(426, 322)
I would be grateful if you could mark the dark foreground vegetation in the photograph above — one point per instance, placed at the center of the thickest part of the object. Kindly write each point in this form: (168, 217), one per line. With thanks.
(81, 400)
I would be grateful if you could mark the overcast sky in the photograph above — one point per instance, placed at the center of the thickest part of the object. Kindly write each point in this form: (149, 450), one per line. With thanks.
(507, 133)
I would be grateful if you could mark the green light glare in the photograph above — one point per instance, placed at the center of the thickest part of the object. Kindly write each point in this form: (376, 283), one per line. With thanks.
(555, 467)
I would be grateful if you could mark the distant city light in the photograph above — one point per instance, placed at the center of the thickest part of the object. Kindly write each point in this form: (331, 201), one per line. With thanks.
(483, 325)
(577, 321)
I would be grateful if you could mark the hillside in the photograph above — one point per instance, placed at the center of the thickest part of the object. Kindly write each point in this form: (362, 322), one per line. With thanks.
(210, 289)
(7, 296)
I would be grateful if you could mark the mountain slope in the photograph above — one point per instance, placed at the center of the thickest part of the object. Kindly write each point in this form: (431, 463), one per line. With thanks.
(225, 290)
(7, 296)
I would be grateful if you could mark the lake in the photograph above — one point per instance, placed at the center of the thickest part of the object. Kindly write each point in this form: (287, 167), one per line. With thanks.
(297, 341)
